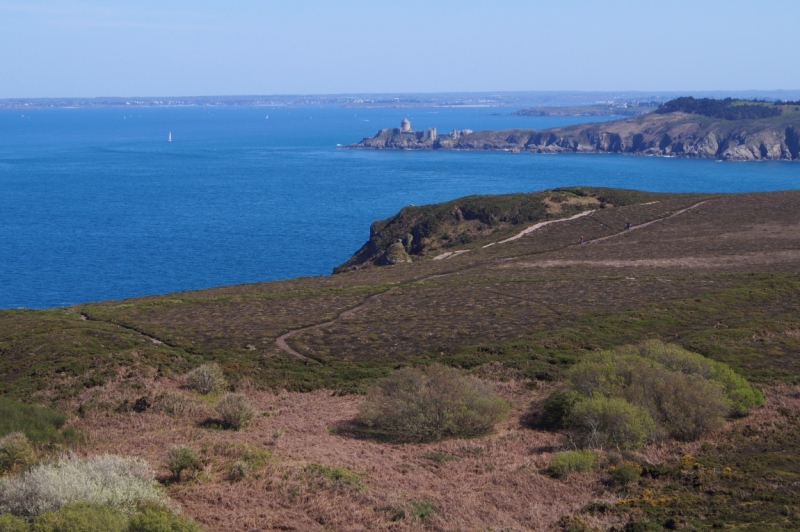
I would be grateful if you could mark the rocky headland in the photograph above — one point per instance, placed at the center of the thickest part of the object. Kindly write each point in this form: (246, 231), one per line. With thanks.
(732, 130)
(419, 232)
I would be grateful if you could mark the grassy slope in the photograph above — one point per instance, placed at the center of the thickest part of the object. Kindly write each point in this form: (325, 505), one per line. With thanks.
(720, 279)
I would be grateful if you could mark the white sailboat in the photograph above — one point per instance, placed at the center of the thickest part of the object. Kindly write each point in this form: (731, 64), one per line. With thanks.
(169, 139)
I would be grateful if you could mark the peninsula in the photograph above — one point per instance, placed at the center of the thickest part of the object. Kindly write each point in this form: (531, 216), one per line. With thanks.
(251, 406)
(732, 130)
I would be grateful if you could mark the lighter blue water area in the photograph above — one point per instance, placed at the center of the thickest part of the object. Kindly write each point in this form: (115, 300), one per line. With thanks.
(96, 204)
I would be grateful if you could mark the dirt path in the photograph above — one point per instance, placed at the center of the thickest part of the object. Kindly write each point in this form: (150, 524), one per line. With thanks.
(281, 340)
(85, 317)
(534, 227)
(651, 222)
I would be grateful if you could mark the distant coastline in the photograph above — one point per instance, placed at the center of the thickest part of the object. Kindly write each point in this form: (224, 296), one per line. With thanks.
(551, 102)
(732, 130)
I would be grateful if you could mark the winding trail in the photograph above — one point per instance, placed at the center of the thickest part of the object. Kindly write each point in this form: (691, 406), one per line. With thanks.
(281, 341)
(539, 225)
(651, 222)
(86, 317)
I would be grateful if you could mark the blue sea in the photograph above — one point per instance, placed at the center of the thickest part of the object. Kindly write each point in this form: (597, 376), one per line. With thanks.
(95, 203)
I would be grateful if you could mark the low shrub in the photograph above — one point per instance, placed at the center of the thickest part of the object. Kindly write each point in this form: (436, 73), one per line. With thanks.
(564, 463)
(239, 470)
(179, 405)
(439, 457)
(16, 453)
(738, 391)
(336, 477)
(557, 409)
(422, 510)
(81, 518)
(625, 472)
(610, 422)
(118, 482)
(12, 523)
(181, 458)
(684, 394)
(101, 518)
(206, 379)
(235, 410)
(38, 423)
(157, 518)
(414, 405)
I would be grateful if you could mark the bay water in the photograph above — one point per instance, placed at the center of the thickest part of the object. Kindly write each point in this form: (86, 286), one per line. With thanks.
(96, 204)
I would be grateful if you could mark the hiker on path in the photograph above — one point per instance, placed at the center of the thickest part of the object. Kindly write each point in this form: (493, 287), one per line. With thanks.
(627, 226)
(582, 242)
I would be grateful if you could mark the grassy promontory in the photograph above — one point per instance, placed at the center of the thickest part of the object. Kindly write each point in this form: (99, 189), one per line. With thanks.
(714, 275)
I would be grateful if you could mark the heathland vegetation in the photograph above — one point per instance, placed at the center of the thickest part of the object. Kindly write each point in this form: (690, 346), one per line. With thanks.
(646, 379)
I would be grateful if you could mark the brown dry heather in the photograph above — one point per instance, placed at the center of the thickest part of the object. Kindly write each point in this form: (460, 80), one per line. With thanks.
(714, 274)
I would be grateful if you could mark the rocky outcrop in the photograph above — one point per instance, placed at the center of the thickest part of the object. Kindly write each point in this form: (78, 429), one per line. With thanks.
(396, 254)
(400, 139)
(675, 134)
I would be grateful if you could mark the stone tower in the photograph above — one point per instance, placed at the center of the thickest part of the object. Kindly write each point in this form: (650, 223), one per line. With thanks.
(405, 125)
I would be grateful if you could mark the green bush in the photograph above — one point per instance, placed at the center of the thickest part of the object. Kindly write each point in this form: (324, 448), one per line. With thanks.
(12, 523)
(81, 518)
(15, 452)
(741, 395)
(414, 405)
(610, 422)
(118, 482)
(181, 458)
(558, 407)
(206, 379)
(564, 463)
(625, 472)
(235, 410)
(689, 406)
(685, 394)
(38, 423)
(156, 518)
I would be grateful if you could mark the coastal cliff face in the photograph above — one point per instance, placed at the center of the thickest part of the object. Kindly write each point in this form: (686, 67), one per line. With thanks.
(678, 134)
(417, 232)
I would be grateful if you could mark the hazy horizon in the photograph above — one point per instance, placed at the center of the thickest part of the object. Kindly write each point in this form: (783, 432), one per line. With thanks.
(84, 49)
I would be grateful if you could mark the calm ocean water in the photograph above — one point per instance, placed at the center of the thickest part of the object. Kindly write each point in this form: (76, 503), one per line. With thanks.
(96, 204)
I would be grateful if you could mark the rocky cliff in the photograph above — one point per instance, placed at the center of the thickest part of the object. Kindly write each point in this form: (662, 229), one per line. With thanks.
(683, 132)
(417, 232)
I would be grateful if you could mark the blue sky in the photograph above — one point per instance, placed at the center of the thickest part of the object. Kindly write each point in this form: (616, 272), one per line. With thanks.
(183, 48)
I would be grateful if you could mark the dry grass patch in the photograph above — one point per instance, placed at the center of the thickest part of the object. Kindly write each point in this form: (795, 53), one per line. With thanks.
(491, 484)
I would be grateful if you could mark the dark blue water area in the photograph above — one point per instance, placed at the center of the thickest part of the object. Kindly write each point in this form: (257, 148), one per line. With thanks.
(95, 203)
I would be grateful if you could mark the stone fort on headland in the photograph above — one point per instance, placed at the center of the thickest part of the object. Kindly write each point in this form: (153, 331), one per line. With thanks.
(428, 134)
